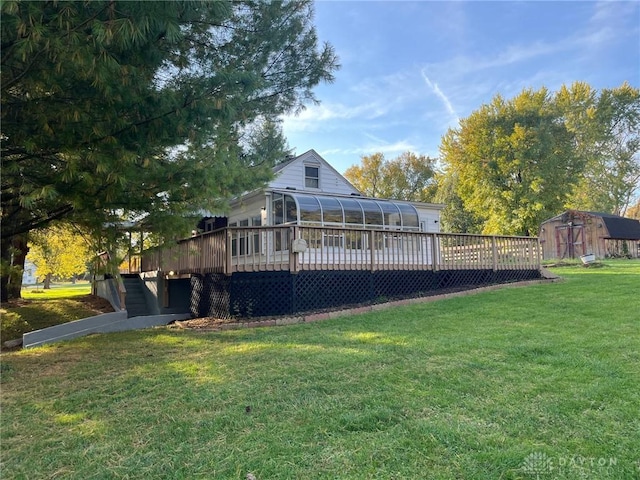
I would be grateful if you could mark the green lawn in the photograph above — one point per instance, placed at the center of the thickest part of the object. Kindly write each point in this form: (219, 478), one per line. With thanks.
(44, 308)
(65, 290)
(518, 383)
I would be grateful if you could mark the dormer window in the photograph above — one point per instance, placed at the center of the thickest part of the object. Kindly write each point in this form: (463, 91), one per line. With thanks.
(311, 176)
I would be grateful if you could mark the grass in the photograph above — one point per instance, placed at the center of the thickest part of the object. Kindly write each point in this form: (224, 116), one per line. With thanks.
(45, 308)
(488, 386)
(58, 291)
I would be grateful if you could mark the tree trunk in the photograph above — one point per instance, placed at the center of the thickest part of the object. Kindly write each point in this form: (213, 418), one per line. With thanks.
(13, 252)
(47, 282)
(4, 268)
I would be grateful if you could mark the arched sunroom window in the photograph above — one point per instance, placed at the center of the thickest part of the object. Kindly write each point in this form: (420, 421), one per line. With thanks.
(334, 211)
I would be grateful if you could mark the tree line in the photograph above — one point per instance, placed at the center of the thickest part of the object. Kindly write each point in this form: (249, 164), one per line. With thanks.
(515, 162)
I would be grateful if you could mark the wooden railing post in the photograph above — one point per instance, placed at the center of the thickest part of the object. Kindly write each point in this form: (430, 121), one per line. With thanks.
(227, 263)
(494, 249)
(202, 255)
(434, 252)
(294, 256)
(372, 251)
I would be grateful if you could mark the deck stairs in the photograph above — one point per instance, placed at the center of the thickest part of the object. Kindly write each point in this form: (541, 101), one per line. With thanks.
(135, 301)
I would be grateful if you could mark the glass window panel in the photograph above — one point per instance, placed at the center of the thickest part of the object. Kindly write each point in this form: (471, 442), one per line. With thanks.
(352, 212)
(372, 213)
(391, 214)
(355, 240)
(333, 241)
(331, 210)
(291, 210)
(278, 209)
(311, 177)
(281, 240)
(409, 215)
(309, 209)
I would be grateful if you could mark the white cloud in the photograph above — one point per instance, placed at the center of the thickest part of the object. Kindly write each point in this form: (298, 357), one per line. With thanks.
(312, 116)
(376, 146)
(609, 23)
(440, 94)
(373, 98)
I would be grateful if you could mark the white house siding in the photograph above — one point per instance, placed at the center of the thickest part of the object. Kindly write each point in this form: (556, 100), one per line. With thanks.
(248, 209)
(29, 274)
(429, 218)
(330, 181)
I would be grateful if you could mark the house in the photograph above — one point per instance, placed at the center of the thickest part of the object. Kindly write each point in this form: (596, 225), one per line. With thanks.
(575, 233)
(29, 276)
(308, 191)
(310, 240)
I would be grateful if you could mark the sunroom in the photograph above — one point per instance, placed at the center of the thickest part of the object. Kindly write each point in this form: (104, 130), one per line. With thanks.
(297, 208)
(330, 228)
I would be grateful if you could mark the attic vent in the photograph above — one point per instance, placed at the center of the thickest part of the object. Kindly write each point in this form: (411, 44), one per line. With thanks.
(356, 194)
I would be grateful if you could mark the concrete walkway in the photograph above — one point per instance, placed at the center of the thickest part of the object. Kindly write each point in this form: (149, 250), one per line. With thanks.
(105, 323)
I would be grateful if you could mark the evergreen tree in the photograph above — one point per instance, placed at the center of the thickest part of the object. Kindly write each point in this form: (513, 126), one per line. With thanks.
(116, 110)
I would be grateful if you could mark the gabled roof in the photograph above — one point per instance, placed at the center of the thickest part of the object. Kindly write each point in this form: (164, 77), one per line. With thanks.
(620, 228)
(334, 181)
(290, 159)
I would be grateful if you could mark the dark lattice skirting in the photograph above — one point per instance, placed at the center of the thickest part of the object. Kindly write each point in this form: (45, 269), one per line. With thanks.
(210, 295)
(282, 293)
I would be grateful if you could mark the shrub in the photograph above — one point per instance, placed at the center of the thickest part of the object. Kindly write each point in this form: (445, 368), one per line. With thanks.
(12, 326)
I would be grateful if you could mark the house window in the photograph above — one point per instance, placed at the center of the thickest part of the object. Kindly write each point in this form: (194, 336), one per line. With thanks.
(256, 222)
(284, 209)
(281, 240)
(277, 209)
(311, 177)
(333, 240)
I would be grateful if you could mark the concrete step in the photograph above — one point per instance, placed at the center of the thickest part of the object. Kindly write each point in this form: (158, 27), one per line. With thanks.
(135, 301)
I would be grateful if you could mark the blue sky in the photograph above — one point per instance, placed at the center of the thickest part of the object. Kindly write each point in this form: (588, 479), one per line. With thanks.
(411, 70)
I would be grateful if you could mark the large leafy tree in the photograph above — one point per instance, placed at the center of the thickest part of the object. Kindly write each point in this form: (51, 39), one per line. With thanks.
(454, 217)
(634, 210)
(59, 250)
(514, 162)
(145, 109)
(606, 125)
(406, 177)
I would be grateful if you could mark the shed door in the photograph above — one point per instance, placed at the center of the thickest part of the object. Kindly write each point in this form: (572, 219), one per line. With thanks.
(570, 241)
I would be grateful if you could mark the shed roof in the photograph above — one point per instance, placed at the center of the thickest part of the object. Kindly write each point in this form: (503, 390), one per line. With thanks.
(620, 228)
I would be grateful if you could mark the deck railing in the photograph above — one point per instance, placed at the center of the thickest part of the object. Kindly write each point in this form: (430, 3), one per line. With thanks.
(298, 248)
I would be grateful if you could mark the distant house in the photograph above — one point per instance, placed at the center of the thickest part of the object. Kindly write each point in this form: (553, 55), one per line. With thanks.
(29, 276)
(308, 191)
(574, 233)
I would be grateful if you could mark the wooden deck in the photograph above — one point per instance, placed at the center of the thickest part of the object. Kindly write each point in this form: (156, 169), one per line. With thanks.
(299, 248)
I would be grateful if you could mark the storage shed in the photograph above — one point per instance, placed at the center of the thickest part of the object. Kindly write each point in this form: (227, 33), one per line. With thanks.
(574, 233)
